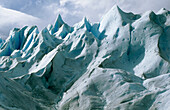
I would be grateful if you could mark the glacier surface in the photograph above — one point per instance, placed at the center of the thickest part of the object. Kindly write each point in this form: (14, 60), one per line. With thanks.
(120, 63)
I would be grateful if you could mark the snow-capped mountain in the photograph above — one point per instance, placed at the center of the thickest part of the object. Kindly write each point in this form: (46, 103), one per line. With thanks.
(120, 63)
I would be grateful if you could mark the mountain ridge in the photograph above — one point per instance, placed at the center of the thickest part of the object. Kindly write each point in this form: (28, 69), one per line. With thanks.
(117, 63)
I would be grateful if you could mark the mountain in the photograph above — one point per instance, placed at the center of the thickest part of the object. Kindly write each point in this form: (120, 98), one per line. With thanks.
(11, 18)
(120, 63)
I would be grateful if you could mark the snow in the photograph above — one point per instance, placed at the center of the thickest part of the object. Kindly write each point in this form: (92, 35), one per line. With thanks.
(59, 22)
(122, 62)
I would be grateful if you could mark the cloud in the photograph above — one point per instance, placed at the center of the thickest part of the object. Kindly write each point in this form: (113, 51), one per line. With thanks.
(92, 9)
(48, 9)
(95, 9)
(11, 18)
(73, 11)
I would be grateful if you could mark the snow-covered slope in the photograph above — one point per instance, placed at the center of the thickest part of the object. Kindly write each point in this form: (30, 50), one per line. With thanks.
(120, 63)
(10, 18)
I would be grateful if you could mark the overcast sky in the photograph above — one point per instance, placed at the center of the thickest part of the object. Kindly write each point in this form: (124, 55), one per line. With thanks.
(73, 11)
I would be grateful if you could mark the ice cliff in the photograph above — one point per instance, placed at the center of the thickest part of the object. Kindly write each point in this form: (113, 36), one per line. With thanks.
(120, 63)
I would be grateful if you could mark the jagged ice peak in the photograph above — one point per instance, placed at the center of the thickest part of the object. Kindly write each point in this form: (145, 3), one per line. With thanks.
(122, 62)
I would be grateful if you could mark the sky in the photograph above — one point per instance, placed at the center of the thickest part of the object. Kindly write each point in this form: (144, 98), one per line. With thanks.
(72, 11)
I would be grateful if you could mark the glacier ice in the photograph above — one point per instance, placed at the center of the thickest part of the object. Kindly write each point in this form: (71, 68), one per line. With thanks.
(120, 63)
(1, 42)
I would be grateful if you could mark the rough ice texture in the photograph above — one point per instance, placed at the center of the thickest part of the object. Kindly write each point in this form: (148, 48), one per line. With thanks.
(120, 63)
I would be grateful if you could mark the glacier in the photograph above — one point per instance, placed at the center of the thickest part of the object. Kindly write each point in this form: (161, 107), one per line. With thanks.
(120, 63)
